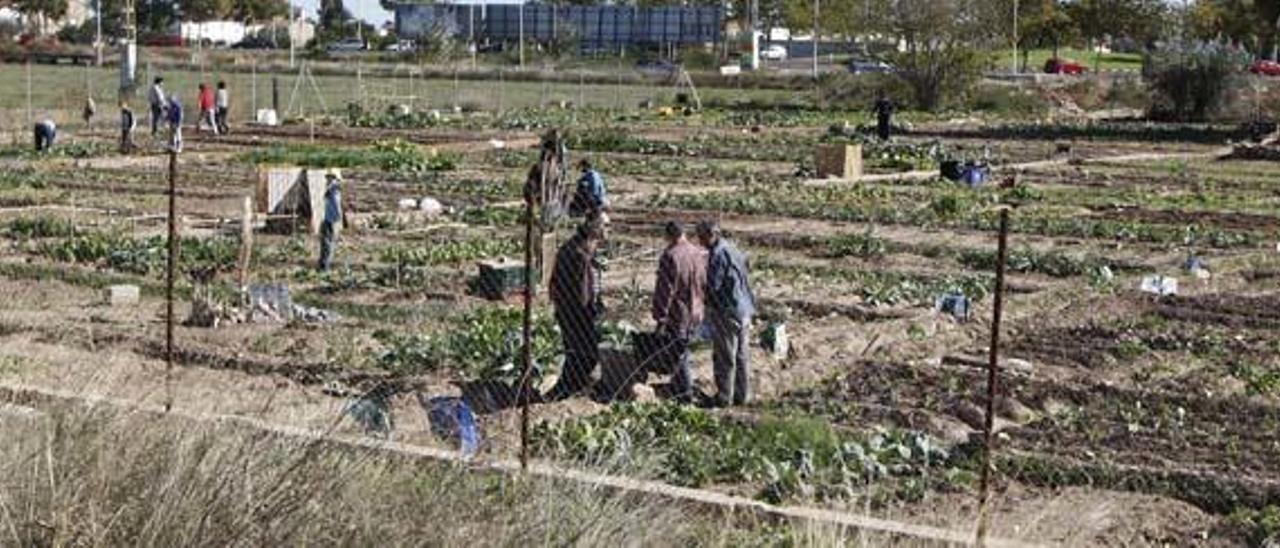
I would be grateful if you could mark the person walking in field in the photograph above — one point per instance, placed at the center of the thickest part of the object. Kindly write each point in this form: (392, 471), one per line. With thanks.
(127, 125)
(333, 216)
(89, 111)
(208, 109)
(159, 102)
(45, 133)
(883, 110)
(174, 112)
(577, 307)
(678, 303)
(730, 306)
(222, 102)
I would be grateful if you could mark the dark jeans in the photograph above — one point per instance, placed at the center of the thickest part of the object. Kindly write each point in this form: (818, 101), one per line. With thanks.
(157, 116)
(126, 141)
(675, 352)
(581, 342)
(44, 138)
(731, 357)
(326, 245)
(220, 120)
(883, 125)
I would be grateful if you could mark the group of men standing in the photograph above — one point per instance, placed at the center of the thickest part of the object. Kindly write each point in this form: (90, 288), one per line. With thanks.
(703, 284)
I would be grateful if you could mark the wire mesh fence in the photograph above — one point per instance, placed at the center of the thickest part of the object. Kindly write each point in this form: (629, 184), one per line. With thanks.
(705, 310)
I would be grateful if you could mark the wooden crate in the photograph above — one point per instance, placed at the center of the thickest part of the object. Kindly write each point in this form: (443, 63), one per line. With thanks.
(839, 161)
(275, 184)
(500, 278)
(314, 185)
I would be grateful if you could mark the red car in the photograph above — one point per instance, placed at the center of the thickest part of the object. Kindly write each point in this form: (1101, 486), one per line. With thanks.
(1265, 67)
(1063, 66)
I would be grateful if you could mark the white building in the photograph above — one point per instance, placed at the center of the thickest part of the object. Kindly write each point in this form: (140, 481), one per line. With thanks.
(223, 33)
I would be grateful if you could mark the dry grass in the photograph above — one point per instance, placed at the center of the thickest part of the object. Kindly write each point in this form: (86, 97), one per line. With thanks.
(76, 476)
(97, 478)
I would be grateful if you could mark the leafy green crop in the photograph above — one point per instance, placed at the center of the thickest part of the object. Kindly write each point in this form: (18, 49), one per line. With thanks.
(41, 227)
(483, 344)
(1257, 525)
(882, 287)
(1051, 263)
(448, 251)
(865, 245)
(145, 256)
(791, 457)
(942, 205)
(395, 155)
(69, 150)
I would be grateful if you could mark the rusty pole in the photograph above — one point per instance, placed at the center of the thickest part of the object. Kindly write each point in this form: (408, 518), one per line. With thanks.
(984, 496)
(170, 269)
(526, 349)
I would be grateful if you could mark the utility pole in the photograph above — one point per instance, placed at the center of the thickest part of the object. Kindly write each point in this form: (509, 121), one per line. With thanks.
(129, 53)
(97, 43)
(1015, 36)
(816, 28)
(755, 43)
(521, 34)
(289, 33)
(471, 25)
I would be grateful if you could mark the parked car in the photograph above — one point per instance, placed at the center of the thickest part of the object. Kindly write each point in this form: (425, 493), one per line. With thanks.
(1058, 65)
(400, 46)
(865, 66)
(656, 66)
(1265, 67)
(775, 52)
(346, 46)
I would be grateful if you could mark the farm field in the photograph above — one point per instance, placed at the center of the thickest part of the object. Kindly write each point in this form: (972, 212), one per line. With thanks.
(1123, 418)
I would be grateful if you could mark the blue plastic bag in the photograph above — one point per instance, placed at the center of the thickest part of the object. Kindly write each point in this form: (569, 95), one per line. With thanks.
(975, 175)
(957, 305)
(451, 418)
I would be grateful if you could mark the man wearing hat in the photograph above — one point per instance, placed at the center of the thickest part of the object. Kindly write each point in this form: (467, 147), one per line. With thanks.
(332, 217)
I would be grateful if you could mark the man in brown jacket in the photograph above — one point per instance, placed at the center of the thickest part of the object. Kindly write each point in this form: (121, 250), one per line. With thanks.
(573, 292)
(677, 303)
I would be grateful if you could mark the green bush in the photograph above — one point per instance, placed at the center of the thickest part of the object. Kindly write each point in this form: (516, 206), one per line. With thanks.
(940, 76)
(1191, 83)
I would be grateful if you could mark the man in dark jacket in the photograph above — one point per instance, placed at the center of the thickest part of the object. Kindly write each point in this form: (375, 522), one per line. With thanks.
(573, 292)
(730, 306)
(884, 116)
(678, 303)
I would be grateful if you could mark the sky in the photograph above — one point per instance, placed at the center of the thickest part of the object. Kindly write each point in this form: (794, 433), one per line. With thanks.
(369, 10)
